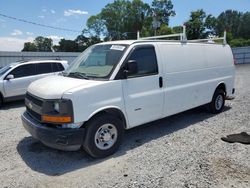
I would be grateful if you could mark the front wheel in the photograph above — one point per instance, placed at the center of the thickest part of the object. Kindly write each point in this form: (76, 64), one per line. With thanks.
(218, 102)
(103, 135)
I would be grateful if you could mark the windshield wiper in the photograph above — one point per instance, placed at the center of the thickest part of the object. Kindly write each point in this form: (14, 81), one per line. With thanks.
(77, 75)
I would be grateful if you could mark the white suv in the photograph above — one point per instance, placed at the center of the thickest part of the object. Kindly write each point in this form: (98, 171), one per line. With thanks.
(16, 77)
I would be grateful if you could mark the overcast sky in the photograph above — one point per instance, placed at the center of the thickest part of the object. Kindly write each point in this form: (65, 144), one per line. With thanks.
(73, 14)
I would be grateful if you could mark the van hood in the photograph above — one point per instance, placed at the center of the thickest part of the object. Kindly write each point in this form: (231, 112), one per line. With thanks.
(53, 87)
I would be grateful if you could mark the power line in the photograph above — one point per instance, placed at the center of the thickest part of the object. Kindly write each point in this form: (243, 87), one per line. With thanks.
(38, 24)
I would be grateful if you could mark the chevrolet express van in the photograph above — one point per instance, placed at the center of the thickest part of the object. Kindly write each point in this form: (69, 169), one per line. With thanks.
(114, 86)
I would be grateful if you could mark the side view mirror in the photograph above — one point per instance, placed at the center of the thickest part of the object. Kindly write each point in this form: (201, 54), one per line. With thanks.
(130, 68)
(9, 77)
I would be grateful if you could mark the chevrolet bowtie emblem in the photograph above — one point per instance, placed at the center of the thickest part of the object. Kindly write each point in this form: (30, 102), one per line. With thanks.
(30, 105)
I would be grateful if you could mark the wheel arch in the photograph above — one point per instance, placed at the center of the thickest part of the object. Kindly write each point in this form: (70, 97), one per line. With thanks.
(222, 86)
(113, 110)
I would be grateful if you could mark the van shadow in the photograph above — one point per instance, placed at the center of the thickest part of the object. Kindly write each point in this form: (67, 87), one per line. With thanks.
(54, 162)
(11, 105)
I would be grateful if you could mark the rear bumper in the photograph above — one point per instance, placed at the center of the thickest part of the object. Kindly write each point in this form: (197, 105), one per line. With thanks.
(63, 139)
(232, 96)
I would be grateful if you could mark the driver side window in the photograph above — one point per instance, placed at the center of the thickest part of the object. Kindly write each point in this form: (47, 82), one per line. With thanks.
(23, 70)
(146, 61)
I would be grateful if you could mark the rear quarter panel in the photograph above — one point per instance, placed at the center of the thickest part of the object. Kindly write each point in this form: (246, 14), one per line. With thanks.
(192, 73)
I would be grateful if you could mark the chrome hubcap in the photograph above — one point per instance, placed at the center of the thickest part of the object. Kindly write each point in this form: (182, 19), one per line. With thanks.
(218, 102)
(106, 136)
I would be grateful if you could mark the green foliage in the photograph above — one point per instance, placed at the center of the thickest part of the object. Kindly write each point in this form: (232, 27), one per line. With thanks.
(244, 26)
(229, 20)
(84, 42)
(40, 44)
(122, 18)
(236, 23)
(67, 46)
(229, 37)
(164, 30)
(239, 42)
(210, 25)
(196, 24)
(43, 44)
(78, 45)
(163, 9)
(95, 25)
(177, 29)
(29, 47)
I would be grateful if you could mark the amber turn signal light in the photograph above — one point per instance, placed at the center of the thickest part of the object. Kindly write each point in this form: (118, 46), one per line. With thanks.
(56, 119)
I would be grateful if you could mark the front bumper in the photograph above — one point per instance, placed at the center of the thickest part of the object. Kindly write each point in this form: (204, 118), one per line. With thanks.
(63, 139)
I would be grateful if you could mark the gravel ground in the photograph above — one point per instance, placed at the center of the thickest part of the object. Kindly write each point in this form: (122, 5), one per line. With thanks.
(184, 150)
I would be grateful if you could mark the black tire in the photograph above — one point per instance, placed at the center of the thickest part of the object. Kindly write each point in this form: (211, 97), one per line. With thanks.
(95, 135)
(217, 104)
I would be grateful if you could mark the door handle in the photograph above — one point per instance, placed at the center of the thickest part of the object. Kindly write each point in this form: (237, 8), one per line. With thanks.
(160, 82)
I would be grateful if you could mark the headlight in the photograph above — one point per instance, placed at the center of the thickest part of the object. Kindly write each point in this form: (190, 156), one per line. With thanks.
(57, 111)
(56, 107)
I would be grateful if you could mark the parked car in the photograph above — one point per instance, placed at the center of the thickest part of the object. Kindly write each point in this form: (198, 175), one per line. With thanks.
(118, 85)
(16, 77)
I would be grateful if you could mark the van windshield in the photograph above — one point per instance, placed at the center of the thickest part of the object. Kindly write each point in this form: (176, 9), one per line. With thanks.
(96, 62)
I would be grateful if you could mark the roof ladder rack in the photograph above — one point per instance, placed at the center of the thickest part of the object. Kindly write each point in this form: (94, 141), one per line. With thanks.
(183, 37)
(212, 39)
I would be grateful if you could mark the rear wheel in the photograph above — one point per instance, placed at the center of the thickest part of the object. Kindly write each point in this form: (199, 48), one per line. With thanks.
(218, 101)
(103, 135)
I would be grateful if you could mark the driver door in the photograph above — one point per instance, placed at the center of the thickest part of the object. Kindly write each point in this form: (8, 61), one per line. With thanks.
(143, 90)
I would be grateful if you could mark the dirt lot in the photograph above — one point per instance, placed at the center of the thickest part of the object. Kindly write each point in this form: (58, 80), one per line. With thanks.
(184, 150)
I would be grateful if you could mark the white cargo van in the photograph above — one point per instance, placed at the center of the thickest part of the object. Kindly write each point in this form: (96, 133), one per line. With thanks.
(113, 86)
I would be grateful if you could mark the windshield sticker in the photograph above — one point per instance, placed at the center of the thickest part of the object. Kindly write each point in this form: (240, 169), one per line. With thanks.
(117, 47)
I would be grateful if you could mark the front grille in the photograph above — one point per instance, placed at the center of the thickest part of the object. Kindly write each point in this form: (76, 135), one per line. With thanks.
(34, 106)
(33, 114)
(35, 100)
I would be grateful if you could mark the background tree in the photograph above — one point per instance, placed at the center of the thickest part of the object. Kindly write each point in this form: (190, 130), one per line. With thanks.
(196, 25)
(163, 9)
(164, 30)
(244, 26)
(67, 46)
(122, 18)
(84, 42)
(96, 25)
(40, 44)
(29, 47)
(43, 44)
(229, 20)
(177, 29)
(210, 25)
